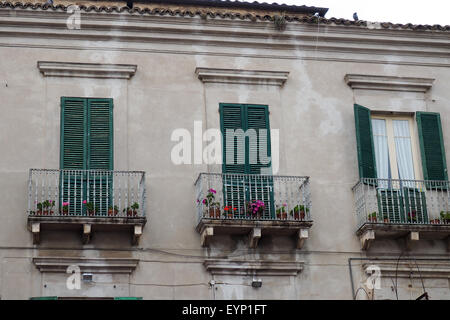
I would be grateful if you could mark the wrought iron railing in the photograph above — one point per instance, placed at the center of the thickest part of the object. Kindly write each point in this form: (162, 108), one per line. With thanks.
(96, 193)
(252, 197)
(396, 201)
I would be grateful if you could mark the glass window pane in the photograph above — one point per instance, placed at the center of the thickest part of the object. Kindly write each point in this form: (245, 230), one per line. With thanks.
(381, 148)
(403, 149)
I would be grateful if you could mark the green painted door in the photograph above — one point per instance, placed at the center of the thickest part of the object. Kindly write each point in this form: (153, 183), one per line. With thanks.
(86, 144)
(247, 154)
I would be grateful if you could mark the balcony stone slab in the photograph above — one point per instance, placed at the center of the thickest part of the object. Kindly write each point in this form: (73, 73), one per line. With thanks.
(87, 225)
(253, 229)
(410, 233)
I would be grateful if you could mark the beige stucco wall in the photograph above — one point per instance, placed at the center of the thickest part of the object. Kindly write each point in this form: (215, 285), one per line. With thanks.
(313, 111)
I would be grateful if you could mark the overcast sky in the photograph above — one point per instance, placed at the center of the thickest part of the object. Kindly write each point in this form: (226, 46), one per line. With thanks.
(396, 11)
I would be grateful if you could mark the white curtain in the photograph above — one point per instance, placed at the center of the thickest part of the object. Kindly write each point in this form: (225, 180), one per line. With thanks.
(403, 150)
(381, 150)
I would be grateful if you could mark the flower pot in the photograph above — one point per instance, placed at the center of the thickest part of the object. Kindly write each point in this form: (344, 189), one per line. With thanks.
(129, 213)
(296, 215)
(229, 215)
(39, 212)
(135, 213)
(214, 213)
(372, 219)
(435, 221)
(302, 215)
(278, 215)
(64, 212)
(110, 212)
(45, 213)
(386, 220)
(284, 216)
(91, 212)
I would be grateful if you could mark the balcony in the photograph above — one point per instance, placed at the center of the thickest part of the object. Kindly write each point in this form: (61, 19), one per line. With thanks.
(86, 200)
(402, 209)
(253, 205)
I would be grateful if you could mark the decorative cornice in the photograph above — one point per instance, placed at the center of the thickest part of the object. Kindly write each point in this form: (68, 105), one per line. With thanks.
(238, 76)
(410, 268)
(227, 14)
(86, 70)
(253, 267)
(60, 264)
(389, 83)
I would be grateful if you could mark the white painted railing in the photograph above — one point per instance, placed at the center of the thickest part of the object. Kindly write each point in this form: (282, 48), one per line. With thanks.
(395, 201)
(96, 193)
(252, 197)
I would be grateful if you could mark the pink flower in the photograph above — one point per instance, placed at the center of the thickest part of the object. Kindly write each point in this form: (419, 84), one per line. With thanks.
(84, 201)
(212, 190)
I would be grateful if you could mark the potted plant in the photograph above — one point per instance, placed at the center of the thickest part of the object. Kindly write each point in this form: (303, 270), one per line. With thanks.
(412, 217)
(385, 218)
(228, 211)
(112, 211)
(281, 211)
(445, 217)
(298, 212)
(256, 208)
(45, 207)
(372, 217)
(134, 208)
(90, 208)
(213, 207)
(65, 208)
(435, 221)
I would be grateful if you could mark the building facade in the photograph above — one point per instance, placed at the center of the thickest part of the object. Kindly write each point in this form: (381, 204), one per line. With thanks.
(116, 118)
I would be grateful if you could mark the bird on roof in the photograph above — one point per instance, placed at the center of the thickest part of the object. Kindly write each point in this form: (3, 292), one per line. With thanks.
(355, 16)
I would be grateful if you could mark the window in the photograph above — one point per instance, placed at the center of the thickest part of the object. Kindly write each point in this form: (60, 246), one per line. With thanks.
(387, 150)
(246, 151)
(86, 152)
(395, 148)
(387, 147)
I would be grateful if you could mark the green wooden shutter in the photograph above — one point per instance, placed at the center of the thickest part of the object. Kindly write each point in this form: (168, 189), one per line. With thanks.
(432, 146)
(86, 144)
(100, 153)
(73, 152)
(73, 133)
(128, 298)
(44, 298)
(238, 190)
(260, 187)
(365, 147)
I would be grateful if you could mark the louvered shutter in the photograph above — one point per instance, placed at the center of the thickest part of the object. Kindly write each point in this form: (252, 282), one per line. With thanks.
(86, 144)
(100, 157)
(73, 152)
(365, 147)
(260, 186)
(432, 146)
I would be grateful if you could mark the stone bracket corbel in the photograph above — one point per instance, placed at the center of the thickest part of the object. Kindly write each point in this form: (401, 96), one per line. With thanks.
(366, 239)
(302, 235)
(206, 236)
(137, 233)
(86, 233)
(253, 237)
(410, 239)
(36, 230)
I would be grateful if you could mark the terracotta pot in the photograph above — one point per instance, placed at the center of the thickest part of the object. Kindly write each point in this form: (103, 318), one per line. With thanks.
(372, 219)
(110, 212)
(39, 212)
(64, 212)
(129, 213)
(435, 221)
(302, 215)
(386, 220)
(284, 215)
(91, 213)
(278, 215)
(214, 212)
(229, 215)
(296, 215)
(45, 213)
